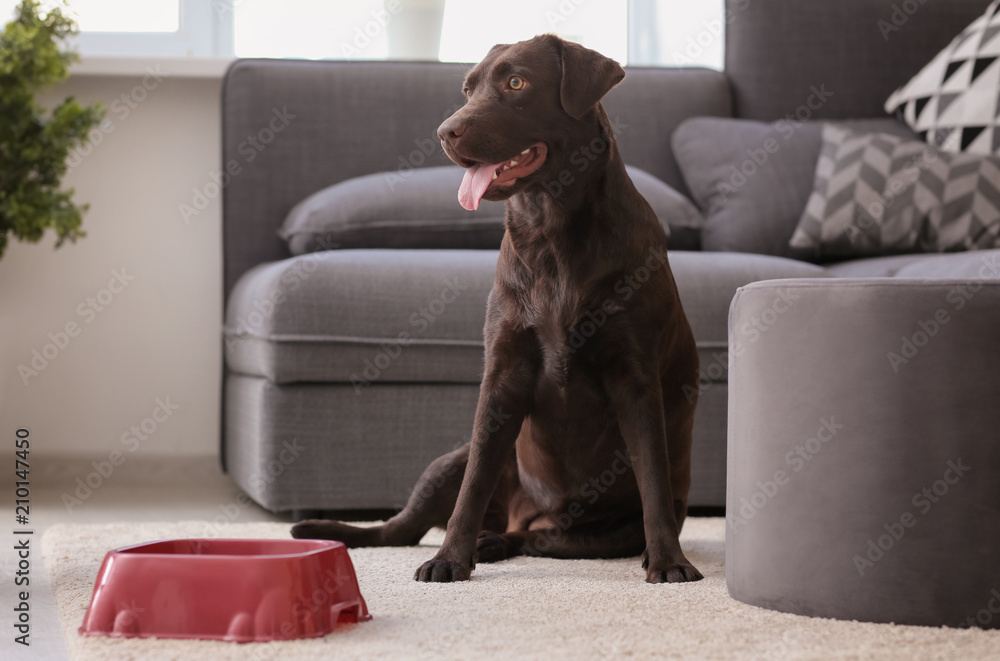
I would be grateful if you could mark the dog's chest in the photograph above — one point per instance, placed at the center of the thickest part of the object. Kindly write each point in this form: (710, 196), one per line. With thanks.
(560, 298)
(570, 335)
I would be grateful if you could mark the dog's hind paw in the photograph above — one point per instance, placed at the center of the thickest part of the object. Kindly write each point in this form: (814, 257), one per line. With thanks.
(492, 547)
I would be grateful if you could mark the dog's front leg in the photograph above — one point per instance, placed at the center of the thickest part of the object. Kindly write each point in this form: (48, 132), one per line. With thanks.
(503, 402)
(638, 404)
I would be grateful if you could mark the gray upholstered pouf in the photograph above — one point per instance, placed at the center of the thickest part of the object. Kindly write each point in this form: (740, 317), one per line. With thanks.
(864, 449)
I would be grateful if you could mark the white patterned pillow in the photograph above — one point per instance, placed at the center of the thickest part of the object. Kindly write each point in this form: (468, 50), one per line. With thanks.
(954, 102)
(877, 194)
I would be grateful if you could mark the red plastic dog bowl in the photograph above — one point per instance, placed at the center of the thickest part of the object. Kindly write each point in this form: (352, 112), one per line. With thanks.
(239, 590)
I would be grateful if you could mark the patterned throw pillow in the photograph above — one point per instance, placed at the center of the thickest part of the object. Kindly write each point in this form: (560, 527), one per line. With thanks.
(878, 194)
(954, 102)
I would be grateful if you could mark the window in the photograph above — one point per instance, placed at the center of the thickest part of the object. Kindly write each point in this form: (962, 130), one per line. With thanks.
(146, 28)
(316, 29)
(643, 32)
(471, 27)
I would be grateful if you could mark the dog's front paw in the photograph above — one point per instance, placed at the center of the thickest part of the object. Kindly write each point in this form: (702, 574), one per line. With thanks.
(669, 570)
(442, 571)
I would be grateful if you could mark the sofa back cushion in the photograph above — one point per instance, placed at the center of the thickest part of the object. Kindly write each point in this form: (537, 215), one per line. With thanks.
(752, 180)
(421, 210)
(833, 60)
(291, 128)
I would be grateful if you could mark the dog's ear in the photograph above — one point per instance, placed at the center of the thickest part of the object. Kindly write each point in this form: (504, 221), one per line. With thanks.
(586, 77)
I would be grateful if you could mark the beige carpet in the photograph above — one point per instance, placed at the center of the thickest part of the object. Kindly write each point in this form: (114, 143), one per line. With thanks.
(525, 608)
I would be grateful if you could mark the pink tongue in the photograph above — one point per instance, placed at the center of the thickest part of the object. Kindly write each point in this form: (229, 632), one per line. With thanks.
(474, 184)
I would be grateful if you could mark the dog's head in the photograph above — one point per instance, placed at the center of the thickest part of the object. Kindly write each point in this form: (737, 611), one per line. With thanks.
(530, 105)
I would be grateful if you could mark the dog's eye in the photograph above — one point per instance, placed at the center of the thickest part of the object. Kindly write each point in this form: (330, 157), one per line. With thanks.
(467, 92)
(515, 82)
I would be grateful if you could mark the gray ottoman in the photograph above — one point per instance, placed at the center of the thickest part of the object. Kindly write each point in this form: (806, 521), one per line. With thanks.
(864, 449)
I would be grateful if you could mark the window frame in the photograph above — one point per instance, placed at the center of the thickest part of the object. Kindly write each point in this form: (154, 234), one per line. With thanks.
(205, 30)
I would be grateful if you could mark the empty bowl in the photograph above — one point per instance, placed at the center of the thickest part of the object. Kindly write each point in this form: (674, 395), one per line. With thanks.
(239, 590)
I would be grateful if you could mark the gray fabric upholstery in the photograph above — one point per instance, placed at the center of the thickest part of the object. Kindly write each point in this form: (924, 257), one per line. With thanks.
(416, 315)
(752, 179)
(390, 210)
(777, 51)
(707, 282)
(420, 210)
(833, 441)
(354, 455)
(339, 315)
(975, 266)
(328, 447)
(679, 217)
(344, 120)
(873, 267)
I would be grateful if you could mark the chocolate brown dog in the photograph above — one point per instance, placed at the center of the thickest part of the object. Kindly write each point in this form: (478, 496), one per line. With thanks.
(582, 436)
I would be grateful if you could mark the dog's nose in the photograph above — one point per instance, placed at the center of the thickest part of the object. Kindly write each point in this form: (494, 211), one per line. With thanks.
(451, 128)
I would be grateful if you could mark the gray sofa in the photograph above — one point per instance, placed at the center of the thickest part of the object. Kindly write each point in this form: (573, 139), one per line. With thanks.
(325, 408)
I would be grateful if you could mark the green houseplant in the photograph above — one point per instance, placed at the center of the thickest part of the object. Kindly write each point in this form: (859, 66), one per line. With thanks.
(34, 144)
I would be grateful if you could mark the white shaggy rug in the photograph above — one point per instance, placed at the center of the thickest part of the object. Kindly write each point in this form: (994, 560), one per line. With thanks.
(524, 608)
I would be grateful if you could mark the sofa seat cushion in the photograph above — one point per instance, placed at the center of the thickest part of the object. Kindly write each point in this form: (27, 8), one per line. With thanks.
(707, 282)
(362, 316)
(392, 316)
(975, 266)
(921, 265)
(873, 267)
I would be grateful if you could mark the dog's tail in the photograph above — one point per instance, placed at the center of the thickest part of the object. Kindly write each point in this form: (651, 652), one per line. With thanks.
(352, 536)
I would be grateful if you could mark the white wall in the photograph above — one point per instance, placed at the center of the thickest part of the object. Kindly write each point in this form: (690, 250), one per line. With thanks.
(158, 337)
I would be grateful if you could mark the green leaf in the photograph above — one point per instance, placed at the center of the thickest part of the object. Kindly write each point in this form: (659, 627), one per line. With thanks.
(35, 143)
